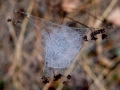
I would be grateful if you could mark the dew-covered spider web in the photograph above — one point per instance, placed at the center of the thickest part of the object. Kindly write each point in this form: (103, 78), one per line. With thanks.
(60, 43)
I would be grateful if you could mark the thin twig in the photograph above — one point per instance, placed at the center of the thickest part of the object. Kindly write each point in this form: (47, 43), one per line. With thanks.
(18, 49)
(91, 74)
(84, 7)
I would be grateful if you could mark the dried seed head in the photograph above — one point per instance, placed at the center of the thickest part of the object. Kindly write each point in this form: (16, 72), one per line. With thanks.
(57, 77)
(94, 38)
(102, 30)
(43, 77)
(18, 22)
(65, 83)
(93, 34)
(69, 77)
(9, 20)
(85, 38)
(45, 80)
(104, 36)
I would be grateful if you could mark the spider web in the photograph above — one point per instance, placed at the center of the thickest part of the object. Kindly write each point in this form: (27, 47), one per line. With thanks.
(60, 42)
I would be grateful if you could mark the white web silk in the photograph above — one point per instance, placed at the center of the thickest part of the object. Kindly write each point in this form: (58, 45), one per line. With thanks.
(60, 43)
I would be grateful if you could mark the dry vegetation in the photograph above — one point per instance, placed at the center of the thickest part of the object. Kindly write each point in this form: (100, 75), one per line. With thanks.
(95, 68)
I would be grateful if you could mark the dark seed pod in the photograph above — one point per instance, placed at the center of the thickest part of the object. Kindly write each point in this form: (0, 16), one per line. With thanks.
(65, 83)
(45, 80)
(69, 77)
(57, 77)
(9, 20)
(97, 32)
(94, 38)
(60, 75)
(18, 22)
(102, 30)
(43, 77)
(85, 38)
(92, 34)
(104, 36)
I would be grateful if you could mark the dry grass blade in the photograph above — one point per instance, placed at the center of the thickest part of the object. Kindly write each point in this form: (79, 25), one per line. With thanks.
(20, 40)
(92, 75)
(98, 23)
(84, 7)
(18, 49)
(105, 14)
(106, 71)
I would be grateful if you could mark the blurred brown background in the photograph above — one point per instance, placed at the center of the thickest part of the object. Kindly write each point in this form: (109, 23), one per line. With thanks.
(21, 63)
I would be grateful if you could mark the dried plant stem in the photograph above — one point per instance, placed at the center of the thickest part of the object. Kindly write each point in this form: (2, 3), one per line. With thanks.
(21, 37)
(92, 75)
(106, 12)
(18, 49)
(106, 71)
(98, 42)
(84, 7)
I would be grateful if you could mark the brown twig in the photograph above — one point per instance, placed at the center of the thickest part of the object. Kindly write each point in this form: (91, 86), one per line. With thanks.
(18, 49)
(91, 74)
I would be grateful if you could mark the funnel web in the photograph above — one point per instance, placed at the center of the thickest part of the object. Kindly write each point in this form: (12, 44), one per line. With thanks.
(60, 43)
